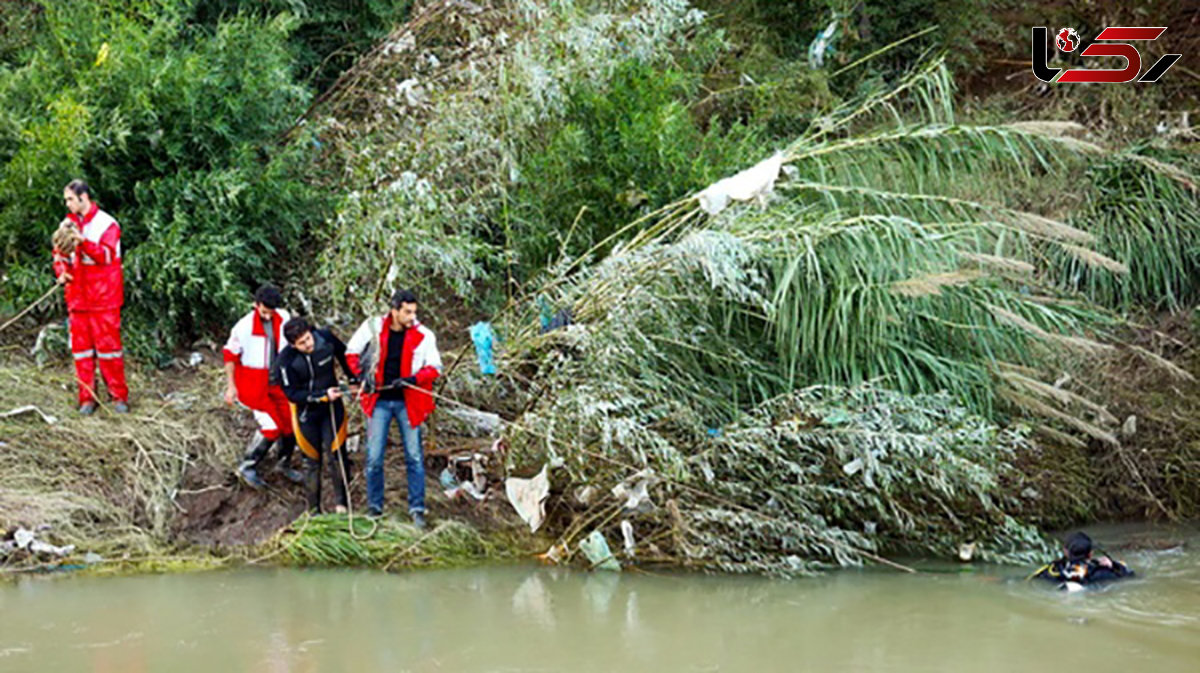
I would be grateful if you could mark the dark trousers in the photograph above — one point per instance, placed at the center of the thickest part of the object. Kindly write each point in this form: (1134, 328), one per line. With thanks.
(320, 430)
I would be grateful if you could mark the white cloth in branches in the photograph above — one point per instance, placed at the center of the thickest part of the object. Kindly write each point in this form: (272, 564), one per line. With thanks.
(758, 181)
(528, 497)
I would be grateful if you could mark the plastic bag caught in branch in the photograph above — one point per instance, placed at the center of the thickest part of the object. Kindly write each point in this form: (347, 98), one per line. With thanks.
(758, 181)
(635, 491)
(528, 497)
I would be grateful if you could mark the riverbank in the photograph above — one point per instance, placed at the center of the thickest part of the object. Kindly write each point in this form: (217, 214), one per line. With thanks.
(155, 491)
(792, 316)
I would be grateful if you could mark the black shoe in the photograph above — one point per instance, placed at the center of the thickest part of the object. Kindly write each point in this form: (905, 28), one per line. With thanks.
(250, 476)
(419, 520)
(248, 469)
(121, 408)
(87, 408)
(293, 475)
(374, 512)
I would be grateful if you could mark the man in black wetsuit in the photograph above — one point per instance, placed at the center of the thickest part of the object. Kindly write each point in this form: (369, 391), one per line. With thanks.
(1079, 566)
(305, 371)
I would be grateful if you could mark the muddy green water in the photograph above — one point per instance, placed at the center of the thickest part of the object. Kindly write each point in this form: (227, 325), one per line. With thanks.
(537, 619)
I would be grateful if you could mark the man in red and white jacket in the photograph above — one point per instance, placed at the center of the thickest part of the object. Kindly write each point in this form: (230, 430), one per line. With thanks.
(398, 360)
(254, 343)
(95, 290)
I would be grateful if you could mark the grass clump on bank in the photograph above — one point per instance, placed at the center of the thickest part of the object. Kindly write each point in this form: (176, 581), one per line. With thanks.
(386, 544)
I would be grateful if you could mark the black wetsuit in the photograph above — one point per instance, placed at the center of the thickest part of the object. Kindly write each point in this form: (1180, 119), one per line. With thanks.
(319, 424)
(1083, 572)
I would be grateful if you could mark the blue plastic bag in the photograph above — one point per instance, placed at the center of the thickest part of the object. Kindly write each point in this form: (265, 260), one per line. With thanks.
(822, 44)
(483, 337)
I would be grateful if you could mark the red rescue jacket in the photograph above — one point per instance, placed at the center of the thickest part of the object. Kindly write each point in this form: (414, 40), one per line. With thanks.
(98, 281)
(247, 349)
(420, 358)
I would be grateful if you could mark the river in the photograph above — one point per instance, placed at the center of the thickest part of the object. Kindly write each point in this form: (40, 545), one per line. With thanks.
(524, 618)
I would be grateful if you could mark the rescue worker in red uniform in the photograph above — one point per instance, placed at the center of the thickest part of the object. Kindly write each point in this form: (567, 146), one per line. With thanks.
(94, 287)
(254, 344)
(398, 359)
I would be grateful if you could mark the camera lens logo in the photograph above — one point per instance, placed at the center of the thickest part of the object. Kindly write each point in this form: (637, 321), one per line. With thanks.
(1067, 39)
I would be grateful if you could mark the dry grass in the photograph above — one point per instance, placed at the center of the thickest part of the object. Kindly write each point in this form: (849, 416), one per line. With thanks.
(105, 483)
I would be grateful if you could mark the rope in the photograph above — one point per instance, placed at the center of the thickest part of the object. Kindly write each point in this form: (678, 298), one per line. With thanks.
(29, 308)
(346, 483)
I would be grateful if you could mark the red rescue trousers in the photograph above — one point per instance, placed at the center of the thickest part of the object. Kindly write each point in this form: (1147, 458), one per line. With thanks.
(276, 419)
(96, 335)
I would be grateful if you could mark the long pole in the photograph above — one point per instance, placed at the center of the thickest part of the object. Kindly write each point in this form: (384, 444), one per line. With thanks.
(29, 308)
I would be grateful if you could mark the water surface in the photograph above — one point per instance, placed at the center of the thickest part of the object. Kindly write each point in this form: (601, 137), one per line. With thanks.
(979, 619)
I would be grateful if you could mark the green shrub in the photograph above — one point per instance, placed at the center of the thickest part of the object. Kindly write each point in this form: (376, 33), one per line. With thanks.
(624, 148)
(174, 125)
(329, 35)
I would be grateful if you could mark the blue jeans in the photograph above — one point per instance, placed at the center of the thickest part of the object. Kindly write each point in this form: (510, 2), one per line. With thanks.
(414, 458)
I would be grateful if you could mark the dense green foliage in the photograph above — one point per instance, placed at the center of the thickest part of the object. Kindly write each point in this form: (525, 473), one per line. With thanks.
(328, 36)
(1150, 218)
(622, 149)
(175, 127)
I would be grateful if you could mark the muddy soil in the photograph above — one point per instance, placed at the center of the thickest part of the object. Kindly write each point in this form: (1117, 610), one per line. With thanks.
(222, 512)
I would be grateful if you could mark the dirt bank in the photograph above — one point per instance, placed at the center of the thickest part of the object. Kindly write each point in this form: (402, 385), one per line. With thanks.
(161, 480)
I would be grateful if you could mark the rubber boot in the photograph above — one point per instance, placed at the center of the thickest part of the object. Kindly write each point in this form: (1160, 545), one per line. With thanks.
(312, 484)
(287, 446)
(248, 469)
(340, 467)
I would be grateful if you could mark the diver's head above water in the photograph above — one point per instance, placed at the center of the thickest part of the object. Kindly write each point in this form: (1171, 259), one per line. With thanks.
(1078, 547)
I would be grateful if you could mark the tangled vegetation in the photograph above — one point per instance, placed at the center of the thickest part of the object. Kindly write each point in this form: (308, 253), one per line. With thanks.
(176, 125)
(817, 478)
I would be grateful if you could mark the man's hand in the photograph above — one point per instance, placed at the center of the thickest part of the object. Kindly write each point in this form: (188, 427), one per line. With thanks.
(356, 388)
(334, 394)
(404, 381)
(230, 394)
(65, 278)
(1104, 562)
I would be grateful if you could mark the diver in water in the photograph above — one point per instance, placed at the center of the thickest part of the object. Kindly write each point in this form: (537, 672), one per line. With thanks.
(1079, 568)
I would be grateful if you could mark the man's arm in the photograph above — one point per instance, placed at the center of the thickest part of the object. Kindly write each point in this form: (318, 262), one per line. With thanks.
(230, 386)
(230, 353)
(359, 341)
(1108, 569)
(292, 389)
(104, 252)
(339, 351)
(432, 368)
